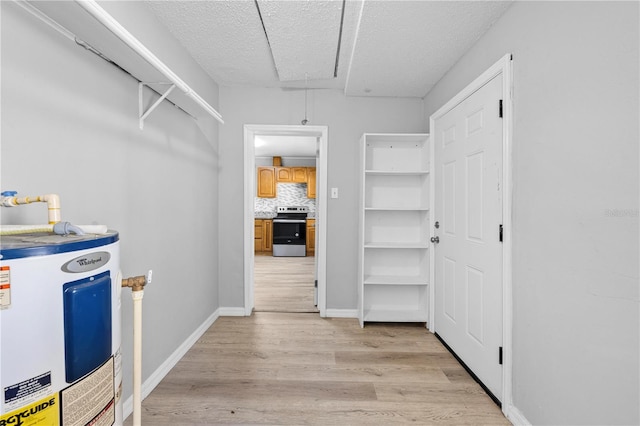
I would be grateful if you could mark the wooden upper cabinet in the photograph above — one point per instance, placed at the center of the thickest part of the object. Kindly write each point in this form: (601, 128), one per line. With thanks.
(311, 182)
(268, 176)
(299, 174)
(267, 182)
(291, 174)
(283, 174)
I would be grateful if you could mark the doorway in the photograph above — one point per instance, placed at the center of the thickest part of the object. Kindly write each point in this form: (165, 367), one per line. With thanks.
(470, 299)
(319, 264)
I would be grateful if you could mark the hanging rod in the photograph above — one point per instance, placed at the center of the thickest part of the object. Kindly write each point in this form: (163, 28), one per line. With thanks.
(71, 36)
(117, 29)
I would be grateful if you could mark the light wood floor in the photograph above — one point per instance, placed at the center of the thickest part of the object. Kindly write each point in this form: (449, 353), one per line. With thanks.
(284, 368)
(284, 284)
(291, 368)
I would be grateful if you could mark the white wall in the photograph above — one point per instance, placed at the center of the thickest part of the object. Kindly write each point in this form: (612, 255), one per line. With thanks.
(69, 127)
(347, 119)
(575, 215)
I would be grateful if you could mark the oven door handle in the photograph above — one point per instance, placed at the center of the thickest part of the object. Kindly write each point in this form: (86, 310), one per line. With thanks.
(289, 221)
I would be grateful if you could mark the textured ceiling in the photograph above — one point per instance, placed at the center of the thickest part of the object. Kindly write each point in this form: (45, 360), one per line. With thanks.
(387, 47)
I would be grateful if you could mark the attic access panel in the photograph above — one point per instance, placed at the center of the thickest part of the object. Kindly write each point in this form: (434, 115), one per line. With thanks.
(304, 37)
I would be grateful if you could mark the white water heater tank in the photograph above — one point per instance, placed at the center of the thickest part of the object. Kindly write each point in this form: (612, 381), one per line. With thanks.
(60, 359)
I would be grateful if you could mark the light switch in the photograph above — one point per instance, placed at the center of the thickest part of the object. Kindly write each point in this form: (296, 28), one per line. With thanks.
(334, 192)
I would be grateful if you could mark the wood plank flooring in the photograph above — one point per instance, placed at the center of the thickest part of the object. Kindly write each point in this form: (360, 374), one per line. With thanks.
(284, 284)
(296, 368)
(286, 366)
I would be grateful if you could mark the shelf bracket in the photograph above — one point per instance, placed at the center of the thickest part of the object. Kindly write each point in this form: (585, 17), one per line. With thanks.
(144, 114)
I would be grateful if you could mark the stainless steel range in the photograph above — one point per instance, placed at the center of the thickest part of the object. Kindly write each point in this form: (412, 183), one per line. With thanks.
(289, 231)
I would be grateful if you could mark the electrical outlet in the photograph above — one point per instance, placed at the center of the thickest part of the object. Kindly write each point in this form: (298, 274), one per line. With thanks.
(334, 192)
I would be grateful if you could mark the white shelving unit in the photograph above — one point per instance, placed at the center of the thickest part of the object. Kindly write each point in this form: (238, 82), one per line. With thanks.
(394, 228)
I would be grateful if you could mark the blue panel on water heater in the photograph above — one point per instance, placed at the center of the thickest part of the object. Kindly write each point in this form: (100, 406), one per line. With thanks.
(87, 325)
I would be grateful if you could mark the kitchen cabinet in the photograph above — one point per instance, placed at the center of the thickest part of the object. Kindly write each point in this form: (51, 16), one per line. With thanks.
(311, 237)
(283, 174)
(267, 228)
(269, 176)
(299, 174)
(393, 268)
(263, 235)
(291, 174)
(266, 182)
(258, 236)
(311, 182)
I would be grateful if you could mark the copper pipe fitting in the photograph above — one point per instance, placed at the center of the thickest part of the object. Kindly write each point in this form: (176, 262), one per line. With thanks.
(136, 283)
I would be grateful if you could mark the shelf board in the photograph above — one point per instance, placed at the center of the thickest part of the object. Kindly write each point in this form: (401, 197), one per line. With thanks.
(396, 245)
(396, 315)
(397, 172)
(394, 280)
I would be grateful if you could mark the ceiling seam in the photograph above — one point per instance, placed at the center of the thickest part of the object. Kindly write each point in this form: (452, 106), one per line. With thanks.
(335, 69)
(264, 29)
(353, 50)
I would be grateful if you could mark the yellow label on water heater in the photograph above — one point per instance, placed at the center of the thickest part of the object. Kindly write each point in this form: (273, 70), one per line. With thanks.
(40, 413)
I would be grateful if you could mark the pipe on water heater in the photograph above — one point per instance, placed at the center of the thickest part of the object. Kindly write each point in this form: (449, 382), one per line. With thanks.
(137, 286)
(9, 199)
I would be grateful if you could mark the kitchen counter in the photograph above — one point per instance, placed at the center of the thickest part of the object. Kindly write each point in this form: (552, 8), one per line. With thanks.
(271, 215)
(264, 215)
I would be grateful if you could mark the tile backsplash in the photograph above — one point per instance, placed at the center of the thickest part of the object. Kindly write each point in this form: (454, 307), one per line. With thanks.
(288, 194)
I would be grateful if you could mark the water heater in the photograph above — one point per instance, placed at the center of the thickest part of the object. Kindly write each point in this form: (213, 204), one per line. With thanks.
(60, 359)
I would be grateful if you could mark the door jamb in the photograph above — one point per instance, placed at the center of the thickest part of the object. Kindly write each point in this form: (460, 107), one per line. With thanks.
(322, 133)
(505, 67)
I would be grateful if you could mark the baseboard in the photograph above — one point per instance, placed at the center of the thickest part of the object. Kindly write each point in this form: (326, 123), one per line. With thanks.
(341, 313)
(516, 417)
(231, 312)
(154, 379)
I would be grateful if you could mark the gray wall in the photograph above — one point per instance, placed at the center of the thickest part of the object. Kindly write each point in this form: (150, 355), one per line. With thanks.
(69, 127)
(347, 119)
(575, 207)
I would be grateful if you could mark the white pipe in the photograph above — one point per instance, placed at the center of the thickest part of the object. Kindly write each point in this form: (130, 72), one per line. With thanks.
(52, 200)
(137, 356)
(116, 28)
(93, 229)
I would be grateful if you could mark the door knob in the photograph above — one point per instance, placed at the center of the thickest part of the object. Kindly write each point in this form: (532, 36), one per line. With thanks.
(435, 240)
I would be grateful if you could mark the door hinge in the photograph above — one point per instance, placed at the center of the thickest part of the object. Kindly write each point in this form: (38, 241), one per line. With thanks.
(500, 232)
(500, 355)
(500, 109)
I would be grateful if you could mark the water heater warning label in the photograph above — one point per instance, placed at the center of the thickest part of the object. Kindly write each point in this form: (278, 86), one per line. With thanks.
(27, 391)
(91, 400)
(5, 287)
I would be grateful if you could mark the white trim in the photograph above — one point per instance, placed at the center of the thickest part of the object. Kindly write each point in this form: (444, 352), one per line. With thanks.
(516, 417)
(342, 313)
(505, 67)
(322, 133)
(156, 377)
(507, 237)
(231, 312)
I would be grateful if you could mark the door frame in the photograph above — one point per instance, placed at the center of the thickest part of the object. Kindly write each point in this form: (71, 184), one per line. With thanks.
(505, 67)
(250, 132)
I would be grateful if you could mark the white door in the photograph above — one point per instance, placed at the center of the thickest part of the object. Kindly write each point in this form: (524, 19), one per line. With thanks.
(468, 208)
